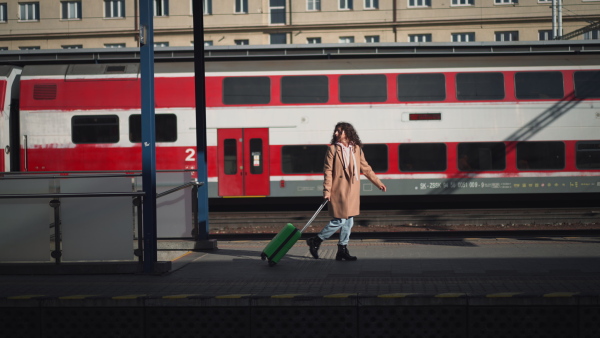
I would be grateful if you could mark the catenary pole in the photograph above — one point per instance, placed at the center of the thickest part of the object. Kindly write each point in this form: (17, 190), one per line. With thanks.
(148, 135)
(198, 13)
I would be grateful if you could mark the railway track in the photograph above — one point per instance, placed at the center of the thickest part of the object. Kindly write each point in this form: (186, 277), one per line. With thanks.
(394, 221)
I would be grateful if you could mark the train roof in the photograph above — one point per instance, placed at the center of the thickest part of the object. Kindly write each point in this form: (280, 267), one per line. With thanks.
(304, 51)
(5, 71)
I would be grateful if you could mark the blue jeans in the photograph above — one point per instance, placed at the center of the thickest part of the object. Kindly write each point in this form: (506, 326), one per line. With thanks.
(338, 223)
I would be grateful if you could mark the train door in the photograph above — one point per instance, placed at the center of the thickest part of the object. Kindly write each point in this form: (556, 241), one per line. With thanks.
(243, 166)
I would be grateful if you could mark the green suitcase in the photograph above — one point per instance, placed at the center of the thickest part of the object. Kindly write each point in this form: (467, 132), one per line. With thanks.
(285, 240)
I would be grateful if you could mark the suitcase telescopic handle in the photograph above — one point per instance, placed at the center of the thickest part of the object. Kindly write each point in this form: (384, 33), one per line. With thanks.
(315, 215)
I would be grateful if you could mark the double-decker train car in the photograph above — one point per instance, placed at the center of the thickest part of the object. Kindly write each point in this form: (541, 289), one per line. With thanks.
(521, 123)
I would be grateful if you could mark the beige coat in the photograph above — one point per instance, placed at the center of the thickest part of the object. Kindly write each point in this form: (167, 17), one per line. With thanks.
(340, 183)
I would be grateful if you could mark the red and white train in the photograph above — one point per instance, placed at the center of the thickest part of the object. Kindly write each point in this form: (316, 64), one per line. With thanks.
(483, 124)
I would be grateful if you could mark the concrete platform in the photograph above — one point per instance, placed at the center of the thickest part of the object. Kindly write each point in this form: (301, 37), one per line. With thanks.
(471, 287)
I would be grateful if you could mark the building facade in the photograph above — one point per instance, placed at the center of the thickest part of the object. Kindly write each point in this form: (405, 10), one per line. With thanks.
(59, 24)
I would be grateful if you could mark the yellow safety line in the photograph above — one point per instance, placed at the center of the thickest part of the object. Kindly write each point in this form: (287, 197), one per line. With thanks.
(560, 294)
(503, 294)
(395, 295)
(180, 296)
(340, 295)
(233, 296)
(76, 297)
(25, 297)
(128, 297)
(288, 295)
(449, 295)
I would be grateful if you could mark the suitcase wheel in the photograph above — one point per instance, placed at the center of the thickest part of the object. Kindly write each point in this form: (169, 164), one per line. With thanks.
(263, 256)
(272, 264)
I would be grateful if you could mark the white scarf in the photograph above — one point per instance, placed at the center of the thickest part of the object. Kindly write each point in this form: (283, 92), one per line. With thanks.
(348, 152)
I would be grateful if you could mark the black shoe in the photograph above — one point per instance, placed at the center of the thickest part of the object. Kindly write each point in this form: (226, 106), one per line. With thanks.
(314, 243)
(343, 253)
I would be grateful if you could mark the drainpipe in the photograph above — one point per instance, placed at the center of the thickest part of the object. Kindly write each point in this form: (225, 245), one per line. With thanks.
(395, 19)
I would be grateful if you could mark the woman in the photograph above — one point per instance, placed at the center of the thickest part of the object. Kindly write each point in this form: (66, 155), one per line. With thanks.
(344, 162)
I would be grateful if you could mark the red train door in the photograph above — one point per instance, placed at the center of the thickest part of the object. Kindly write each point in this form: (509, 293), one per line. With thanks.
(243, 166)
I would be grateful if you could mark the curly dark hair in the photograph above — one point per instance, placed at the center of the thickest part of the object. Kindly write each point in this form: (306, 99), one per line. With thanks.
(351, 133)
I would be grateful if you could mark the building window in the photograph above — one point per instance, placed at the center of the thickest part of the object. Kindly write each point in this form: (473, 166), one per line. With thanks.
(161, 44)
(29, 11)
(207, 7)
(241, 6)
(242, 42)
(3, 48)
(114, 8)
(313, 40)
(161, 7)
(277, 10)
(278, 38)
(371, 4)
(313, 5)
(372, 38)
(507, 36)
(114, 45)
(29, 48)
(592, 35)
(3, 15)
(95, 129)
(207, 43)
(72, 46)
(346, 39)
(545, 35)
(71, 10)
(505, 2)
(346, 4)
(463, 2)
(419, 38)
(419, 3)
(463, 37)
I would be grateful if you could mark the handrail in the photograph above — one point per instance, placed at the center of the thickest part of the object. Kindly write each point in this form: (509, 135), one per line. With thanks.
(59, 195)
(42, 176)
(183, 186)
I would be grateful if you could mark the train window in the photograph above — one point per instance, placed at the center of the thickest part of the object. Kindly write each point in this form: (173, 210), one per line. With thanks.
(303, 159)
(588, 155)
(363, 88)
(165, 126)
(95, 129)
(256, 156)
(479, 86)
(587, 84)
(422, 156)
(540, 155)
(539, 85)
(481, 156)
(377, 156)
(230, 156)
(304, 89)
(421, 87)
(246, 90)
